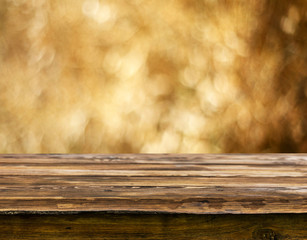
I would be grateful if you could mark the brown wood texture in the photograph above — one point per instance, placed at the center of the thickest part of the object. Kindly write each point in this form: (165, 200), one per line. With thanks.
(154, 226)
(191, 183)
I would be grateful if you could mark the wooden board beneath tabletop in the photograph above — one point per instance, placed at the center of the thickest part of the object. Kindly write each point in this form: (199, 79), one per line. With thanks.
(154, 226)
(166, 183)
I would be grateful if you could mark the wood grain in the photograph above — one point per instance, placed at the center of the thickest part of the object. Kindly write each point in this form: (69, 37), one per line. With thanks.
(154, 226)
(165, 183)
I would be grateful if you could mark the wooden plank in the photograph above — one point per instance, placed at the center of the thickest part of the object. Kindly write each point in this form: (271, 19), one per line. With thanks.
(166, 183)
(154, 226)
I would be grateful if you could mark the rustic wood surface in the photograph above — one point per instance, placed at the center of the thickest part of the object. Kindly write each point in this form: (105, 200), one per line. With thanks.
(199, 184)
(154, 226)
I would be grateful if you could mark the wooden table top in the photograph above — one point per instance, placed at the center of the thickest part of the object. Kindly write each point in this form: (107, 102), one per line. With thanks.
(166, 183)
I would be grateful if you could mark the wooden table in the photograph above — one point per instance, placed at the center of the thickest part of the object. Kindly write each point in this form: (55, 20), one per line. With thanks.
(153, 196)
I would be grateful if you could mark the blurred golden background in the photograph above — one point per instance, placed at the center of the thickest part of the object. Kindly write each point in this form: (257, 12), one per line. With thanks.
(152, 76)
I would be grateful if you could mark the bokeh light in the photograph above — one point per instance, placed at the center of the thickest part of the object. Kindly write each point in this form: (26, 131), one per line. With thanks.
(132, 76)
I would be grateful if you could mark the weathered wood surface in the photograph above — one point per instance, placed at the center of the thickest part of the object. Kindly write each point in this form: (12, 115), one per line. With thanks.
(154, 226)
(201, 184)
